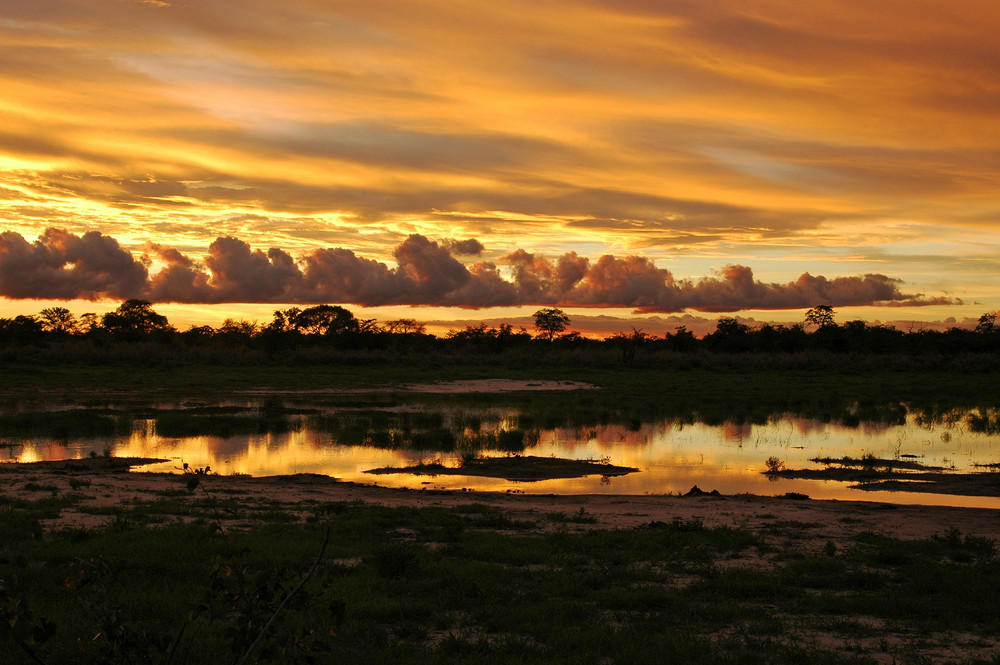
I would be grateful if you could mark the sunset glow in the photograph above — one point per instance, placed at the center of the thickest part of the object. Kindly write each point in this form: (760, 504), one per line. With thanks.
(664, 158)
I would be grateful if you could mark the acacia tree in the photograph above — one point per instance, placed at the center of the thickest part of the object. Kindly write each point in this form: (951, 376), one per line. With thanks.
(821, 316)
(405, 327)
(550, 321)
(58, 320)
(239, 328)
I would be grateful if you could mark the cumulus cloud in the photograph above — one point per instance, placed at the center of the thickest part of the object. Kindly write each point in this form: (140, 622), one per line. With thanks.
(736, 288)
(179, 280)
(62, 265)
(240, 274)
(634, 281)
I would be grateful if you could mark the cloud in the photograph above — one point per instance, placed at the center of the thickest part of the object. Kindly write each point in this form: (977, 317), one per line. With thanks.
(240, 274)
(470, 247)
(180, 280)
(634, 281)
(62, 265)
(736, 289)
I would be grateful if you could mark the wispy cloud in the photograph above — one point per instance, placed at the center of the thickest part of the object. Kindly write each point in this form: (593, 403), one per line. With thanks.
(712, 129)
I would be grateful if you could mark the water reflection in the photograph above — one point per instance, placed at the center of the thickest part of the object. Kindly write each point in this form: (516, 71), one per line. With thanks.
(673, 453)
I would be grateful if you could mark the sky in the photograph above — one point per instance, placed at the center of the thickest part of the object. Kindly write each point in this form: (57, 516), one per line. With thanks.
(465, 160)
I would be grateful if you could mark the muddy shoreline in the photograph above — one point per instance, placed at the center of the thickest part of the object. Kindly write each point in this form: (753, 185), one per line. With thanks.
(107, 482)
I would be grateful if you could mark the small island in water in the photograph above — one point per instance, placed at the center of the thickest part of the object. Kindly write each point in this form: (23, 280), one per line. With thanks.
(516, 468)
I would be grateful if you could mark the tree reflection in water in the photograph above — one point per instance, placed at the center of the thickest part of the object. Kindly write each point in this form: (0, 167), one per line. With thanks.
(673, 447)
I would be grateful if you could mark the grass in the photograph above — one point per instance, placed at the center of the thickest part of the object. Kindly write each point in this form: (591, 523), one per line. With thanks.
(467, 583)
(728, 381)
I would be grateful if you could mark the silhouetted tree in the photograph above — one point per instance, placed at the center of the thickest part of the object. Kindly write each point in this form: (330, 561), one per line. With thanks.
(404, 327)
(730, 335)
(768, 338)
(325, 320)
(792, 338)
(987, 323)
(135, 318)
(58, 320)
(283, 319)
(507, 337)
(89, 322)
(821, 316)
(470, 333)
(198, 333)
(484, 338)
(550, 322)
(21, 330)
(239, 329)
(629, 344)
(681, 339)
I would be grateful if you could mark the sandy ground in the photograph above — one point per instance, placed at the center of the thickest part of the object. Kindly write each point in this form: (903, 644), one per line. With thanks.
(819, 521)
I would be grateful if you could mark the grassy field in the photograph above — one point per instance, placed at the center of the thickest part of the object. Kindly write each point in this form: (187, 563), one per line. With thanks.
(195, 575)
(718, 380)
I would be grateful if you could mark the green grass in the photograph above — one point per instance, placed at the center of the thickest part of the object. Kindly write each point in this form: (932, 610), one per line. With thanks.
(468, 584)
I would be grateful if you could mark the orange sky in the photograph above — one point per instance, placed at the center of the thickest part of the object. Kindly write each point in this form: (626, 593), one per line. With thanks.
(837, 139)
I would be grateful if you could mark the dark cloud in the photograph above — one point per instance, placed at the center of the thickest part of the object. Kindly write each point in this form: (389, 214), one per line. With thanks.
(634, 281)
(242, 275)
(338, 275)
(62, 265)
(428, 269)
(181, 280)
(736, 289)
(470, 247)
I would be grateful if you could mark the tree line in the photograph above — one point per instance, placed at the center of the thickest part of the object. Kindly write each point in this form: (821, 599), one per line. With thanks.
(334, 326)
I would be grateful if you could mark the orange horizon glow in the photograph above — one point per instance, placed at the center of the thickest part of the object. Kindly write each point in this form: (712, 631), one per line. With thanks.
(439, 321)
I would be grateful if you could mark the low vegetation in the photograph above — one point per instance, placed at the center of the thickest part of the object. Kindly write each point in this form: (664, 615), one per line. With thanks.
(168, 581)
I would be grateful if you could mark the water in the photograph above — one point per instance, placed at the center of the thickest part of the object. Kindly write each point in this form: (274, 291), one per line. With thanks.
(672, 454)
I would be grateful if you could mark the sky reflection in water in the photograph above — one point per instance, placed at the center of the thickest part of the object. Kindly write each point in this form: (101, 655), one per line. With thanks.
(672, 456)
